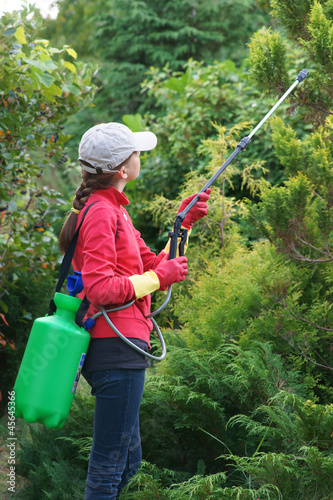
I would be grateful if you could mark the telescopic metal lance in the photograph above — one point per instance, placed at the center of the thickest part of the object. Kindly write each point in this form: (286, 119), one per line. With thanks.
(177, 231)
(243, 143)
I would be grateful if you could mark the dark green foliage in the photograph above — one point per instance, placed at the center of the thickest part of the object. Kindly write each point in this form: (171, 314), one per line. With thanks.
(197, 396)
(299, 430)
(152, 483)
(142, 31)
(52, 460)
(128, 37)
(305, 476)
(288, 422)
(309, 24)
(198, 392)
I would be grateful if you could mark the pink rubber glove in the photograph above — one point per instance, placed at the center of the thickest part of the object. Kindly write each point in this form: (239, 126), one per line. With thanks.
(171, 271)
(198, 211)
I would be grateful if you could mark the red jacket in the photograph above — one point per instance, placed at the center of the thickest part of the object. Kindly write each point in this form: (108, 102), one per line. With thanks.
(108, 251)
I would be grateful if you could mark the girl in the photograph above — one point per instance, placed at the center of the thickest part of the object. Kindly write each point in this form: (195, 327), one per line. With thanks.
(117, 267)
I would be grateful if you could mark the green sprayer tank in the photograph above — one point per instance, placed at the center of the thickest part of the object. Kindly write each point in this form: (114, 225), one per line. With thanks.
(51, 365)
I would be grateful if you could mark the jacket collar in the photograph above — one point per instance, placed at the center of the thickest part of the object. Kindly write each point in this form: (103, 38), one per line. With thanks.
(112, 195)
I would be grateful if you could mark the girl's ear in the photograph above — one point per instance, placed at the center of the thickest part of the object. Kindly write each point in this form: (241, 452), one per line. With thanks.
(122, 172)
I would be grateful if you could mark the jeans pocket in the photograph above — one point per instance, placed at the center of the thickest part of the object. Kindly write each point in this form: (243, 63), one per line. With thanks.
(96, 378)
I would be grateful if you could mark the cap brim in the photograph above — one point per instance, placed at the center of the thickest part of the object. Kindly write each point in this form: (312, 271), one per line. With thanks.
(144, 141)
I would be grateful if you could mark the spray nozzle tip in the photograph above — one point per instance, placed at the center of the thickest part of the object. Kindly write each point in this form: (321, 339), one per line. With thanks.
(302, 75)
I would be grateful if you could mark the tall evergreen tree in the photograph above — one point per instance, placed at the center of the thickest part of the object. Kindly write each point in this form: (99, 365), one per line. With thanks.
(303, 229)
(309, 29)
(130, 36)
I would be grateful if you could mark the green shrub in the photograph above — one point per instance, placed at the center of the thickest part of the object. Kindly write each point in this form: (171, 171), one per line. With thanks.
(194, 394)
(54, 461)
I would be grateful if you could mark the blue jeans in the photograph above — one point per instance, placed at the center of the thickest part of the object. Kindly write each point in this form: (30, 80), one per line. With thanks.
(116, 449)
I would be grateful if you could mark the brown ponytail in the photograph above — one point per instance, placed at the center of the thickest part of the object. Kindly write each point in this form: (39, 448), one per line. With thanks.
(89, 184)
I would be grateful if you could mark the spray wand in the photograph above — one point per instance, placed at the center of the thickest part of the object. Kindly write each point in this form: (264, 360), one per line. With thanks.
(178, 235)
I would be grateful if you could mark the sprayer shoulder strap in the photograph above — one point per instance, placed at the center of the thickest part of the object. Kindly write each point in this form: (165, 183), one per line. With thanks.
(67, 260)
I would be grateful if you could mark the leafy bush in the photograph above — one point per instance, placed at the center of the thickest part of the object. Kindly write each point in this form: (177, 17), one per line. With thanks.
(41, 87)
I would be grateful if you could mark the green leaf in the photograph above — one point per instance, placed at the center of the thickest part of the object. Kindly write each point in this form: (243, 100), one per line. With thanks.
(4, 306)
(135, 122)
(70, 66)
(230, 66)
(10, 31)
(55, 90)
(53, 50)
(46, 65)
(46, 79)
(43, 42)
(175, 84)
(20, 35)
(72, 53)
(75, 89)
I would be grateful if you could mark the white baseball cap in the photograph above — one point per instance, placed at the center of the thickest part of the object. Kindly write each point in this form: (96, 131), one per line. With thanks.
(107, 145)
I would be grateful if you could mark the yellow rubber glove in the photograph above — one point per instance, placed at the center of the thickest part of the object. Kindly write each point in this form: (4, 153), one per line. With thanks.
(144, 284)
(167, 273)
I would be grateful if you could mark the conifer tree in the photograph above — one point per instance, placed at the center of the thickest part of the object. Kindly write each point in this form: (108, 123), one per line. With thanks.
(278, 291)
(298, 217)
(308, 25)
(127, 37)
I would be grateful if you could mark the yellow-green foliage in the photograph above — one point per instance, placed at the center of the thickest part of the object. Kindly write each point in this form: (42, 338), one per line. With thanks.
(267, 60)
(313, 156)
(224, 298)
(320, 40)
(219, 226)
(309, 24)
(298, 217)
